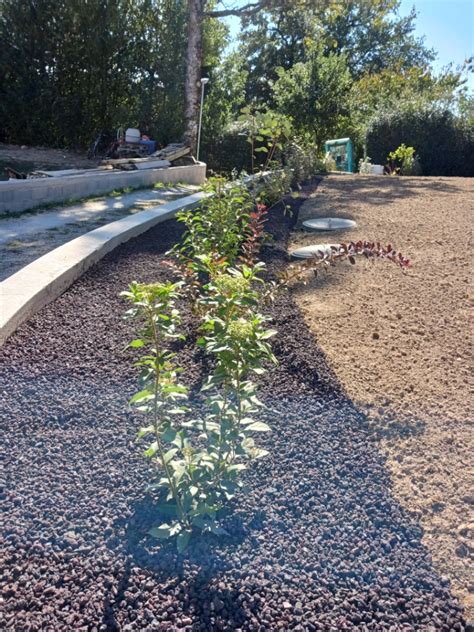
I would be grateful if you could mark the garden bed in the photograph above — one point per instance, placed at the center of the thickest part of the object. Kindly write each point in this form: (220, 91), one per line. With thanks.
(317, 542)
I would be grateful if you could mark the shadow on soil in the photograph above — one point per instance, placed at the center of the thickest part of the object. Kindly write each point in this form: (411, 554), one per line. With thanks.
(378, 190)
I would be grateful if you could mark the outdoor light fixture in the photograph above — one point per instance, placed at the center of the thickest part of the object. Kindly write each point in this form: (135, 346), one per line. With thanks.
(204, 80)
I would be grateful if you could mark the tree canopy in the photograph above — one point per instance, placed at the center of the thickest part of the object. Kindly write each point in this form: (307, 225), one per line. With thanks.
(70, 69)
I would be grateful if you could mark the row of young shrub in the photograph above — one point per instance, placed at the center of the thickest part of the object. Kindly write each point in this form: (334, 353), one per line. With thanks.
(444, 143)
(198, 453)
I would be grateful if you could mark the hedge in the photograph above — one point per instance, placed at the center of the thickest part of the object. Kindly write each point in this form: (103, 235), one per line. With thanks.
(443, 142)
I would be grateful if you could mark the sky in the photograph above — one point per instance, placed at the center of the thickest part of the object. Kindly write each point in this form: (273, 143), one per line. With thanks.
(446, 25)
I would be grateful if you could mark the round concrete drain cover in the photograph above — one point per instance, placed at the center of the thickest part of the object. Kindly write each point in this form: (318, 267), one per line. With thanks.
(329, 223)
(314, 250)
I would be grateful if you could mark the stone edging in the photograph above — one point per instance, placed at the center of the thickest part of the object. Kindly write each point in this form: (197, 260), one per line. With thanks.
(37, 284)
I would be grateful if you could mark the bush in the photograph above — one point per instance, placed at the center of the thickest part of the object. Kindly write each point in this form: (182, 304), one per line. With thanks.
(444, 143)
(228, 152)
(303, 158)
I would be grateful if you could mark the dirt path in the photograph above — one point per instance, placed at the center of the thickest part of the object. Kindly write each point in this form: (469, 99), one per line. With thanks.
(402, 344)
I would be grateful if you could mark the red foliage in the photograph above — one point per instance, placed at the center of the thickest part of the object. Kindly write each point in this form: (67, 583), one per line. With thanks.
(254, 234)
(349, 251)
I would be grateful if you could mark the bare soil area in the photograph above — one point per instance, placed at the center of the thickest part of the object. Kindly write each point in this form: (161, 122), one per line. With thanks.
(45, 155)
(26, 159)
(401, 344)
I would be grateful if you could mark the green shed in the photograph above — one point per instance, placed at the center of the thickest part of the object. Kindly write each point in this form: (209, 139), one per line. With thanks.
(341, 150)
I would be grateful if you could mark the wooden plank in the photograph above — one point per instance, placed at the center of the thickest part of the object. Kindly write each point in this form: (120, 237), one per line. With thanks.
(153, 164)
(172, 152)
(62, 173)
(123, 161)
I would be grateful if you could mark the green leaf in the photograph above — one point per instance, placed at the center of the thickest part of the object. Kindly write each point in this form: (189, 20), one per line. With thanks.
(182, 540)
(247, 420)
(152, 450)
(269, 333)
(135, 344)
(144, 431)
(163, 532)
(169, 435)
(216, 529)
(259, 426)
(238, 467)
(170, 454)
(141, 395)
(168, 509)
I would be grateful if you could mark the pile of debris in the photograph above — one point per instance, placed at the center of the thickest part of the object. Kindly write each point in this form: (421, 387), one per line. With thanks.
(176, 154)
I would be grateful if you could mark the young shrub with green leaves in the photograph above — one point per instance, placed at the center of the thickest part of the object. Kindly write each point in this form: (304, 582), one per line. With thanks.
(303, 159)
(404, 161)
(267, 133)
(218, 226)
(236, 334)
(199, 458)
(162, 398)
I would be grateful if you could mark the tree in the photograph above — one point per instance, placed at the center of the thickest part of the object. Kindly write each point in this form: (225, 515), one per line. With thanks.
(369, 33)
(198, 12)
(413, 88)
(314, 93)
(71, 69)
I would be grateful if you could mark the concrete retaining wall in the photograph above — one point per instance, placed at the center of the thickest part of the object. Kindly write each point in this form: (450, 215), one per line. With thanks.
(20, 195)
(37, 284)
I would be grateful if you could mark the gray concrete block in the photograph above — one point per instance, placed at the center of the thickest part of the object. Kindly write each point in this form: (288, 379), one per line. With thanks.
(22, 195)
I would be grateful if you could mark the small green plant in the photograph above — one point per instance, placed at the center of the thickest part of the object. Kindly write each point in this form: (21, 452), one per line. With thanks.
(403, 161)
(267, 132)
(218, 226)
(271, 187)
(303, 160)
(199, 459)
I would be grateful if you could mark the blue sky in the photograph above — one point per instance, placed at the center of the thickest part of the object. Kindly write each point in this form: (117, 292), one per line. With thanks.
(446, 25)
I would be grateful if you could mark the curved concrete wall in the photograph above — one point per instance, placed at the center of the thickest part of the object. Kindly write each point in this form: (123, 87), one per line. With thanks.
(34, 286)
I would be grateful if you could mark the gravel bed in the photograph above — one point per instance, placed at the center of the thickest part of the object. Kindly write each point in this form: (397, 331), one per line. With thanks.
(318, 542)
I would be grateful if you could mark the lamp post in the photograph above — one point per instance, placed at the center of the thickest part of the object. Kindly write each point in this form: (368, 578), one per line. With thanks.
(204, 80)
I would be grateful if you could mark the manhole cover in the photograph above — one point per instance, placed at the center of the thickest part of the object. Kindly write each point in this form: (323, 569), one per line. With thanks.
(311, 251)
(329, 223)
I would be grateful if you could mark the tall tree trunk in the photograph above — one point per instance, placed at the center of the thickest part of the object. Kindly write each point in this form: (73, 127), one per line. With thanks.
(193, 71)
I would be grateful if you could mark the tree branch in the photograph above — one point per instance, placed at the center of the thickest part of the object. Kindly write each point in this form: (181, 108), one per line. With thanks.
(248, 9)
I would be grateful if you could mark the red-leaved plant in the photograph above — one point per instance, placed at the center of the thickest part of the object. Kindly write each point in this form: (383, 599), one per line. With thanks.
(255, 231)
(329, 257)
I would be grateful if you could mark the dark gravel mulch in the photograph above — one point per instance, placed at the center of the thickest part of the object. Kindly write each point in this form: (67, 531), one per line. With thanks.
(317, 543)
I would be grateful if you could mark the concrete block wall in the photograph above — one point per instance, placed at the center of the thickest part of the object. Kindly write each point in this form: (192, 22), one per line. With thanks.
(21, 195)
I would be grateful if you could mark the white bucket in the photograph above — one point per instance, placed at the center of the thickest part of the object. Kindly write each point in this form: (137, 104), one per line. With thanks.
(132, 135)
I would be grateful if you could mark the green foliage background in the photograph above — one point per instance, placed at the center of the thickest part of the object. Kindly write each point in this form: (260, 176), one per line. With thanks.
(72, 68)
(444, 144)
